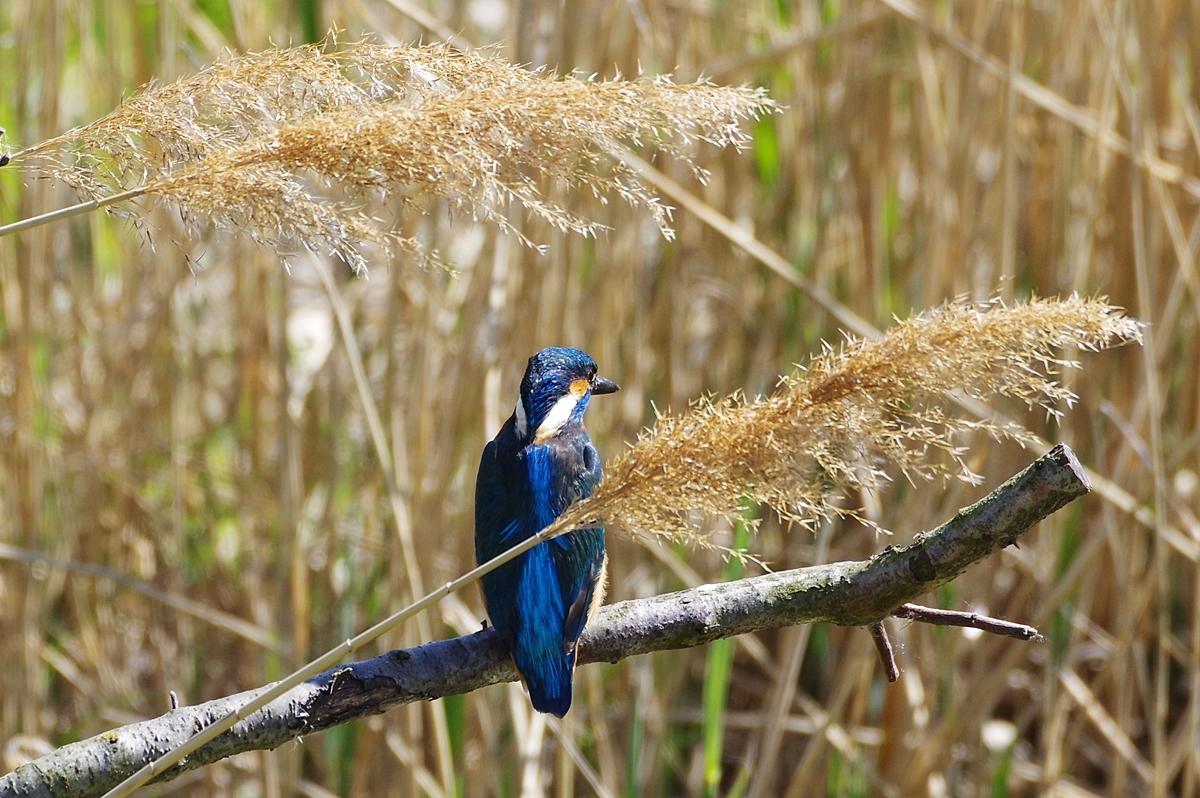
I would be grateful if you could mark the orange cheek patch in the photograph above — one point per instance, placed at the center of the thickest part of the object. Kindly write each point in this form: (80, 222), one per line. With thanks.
(579, 387)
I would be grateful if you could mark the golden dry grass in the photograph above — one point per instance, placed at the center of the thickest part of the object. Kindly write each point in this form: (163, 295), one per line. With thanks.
(187, 414)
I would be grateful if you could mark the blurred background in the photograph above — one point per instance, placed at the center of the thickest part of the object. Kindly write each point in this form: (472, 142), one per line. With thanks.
(183, 446)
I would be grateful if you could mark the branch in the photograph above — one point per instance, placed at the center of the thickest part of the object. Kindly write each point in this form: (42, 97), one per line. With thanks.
(847, 593)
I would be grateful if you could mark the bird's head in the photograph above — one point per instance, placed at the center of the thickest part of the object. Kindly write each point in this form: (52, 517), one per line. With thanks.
(555, 391)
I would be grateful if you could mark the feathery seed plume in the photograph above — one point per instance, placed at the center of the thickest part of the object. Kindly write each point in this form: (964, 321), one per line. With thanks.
(296, 146)
(852, 413)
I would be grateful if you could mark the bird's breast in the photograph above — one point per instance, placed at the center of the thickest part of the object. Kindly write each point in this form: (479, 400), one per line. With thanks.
(560, 471)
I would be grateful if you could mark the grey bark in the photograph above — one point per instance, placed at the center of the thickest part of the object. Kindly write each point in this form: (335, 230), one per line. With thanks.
(858, 593)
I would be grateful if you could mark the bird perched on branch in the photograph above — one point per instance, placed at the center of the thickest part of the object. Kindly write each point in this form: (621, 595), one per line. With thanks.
(540, 462)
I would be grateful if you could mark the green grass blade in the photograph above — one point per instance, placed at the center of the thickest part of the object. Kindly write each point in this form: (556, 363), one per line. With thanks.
(716, 683)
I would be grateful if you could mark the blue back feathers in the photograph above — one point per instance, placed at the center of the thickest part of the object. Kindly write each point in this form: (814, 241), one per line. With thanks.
(540, 462)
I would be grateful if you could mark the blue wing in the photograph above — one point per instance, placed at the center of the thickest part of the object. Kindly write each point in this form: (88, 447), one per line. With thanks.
(540, 601)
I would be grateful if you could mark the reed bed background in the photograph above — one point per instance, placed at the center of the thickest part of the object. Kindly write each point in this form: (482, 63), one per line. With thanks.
(181, 432)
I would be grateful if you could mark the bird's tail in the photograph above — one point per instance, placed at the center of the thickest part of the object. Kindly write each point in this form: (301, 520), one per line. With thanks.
(548, 679)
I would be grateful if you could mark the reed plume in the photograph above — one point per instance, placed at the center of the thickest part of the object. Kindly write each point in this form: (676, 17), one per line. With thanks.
(299, 147)
(855, 412)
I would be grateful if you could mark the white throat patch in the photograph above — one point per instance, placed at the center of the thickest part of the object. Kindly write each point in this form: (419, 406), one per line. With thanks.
(522, 423)
(556, 418)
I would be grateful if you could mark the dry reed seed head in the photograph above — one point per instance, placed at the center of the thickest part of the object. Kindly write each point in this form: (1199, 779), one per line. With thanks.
(245, 95)
(483, 148)
(271, 207)
(379, 122)
(430, 69)
(167, 127)
(855, 412)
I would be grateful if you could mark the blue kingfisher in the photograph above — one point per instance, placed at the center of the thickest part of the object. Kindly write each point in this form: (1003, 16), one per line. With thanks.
(540, 462)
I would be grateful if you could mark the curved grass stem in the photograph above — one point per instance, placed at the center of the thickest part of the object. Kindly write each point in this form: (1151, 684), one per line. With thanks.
(400, 510)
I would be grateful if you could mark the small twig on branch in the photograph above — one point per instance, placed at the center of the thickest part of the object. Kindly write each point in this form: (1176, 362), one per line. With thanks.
(884, 646)
(847, 593)
(972, 620)
(931, 615)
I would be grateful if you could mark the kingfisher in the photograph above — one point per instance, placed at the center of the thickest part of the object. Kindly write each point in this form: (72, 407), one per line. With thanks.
(540, 462)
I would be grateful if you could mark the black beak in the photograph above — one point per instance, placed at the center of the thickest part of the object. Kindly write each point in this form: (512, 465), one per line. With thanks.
(601, 385)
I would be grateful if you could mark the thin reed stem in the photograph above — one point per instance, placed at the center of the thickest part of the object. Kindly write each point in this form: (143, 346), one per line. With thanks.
(74, 210)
